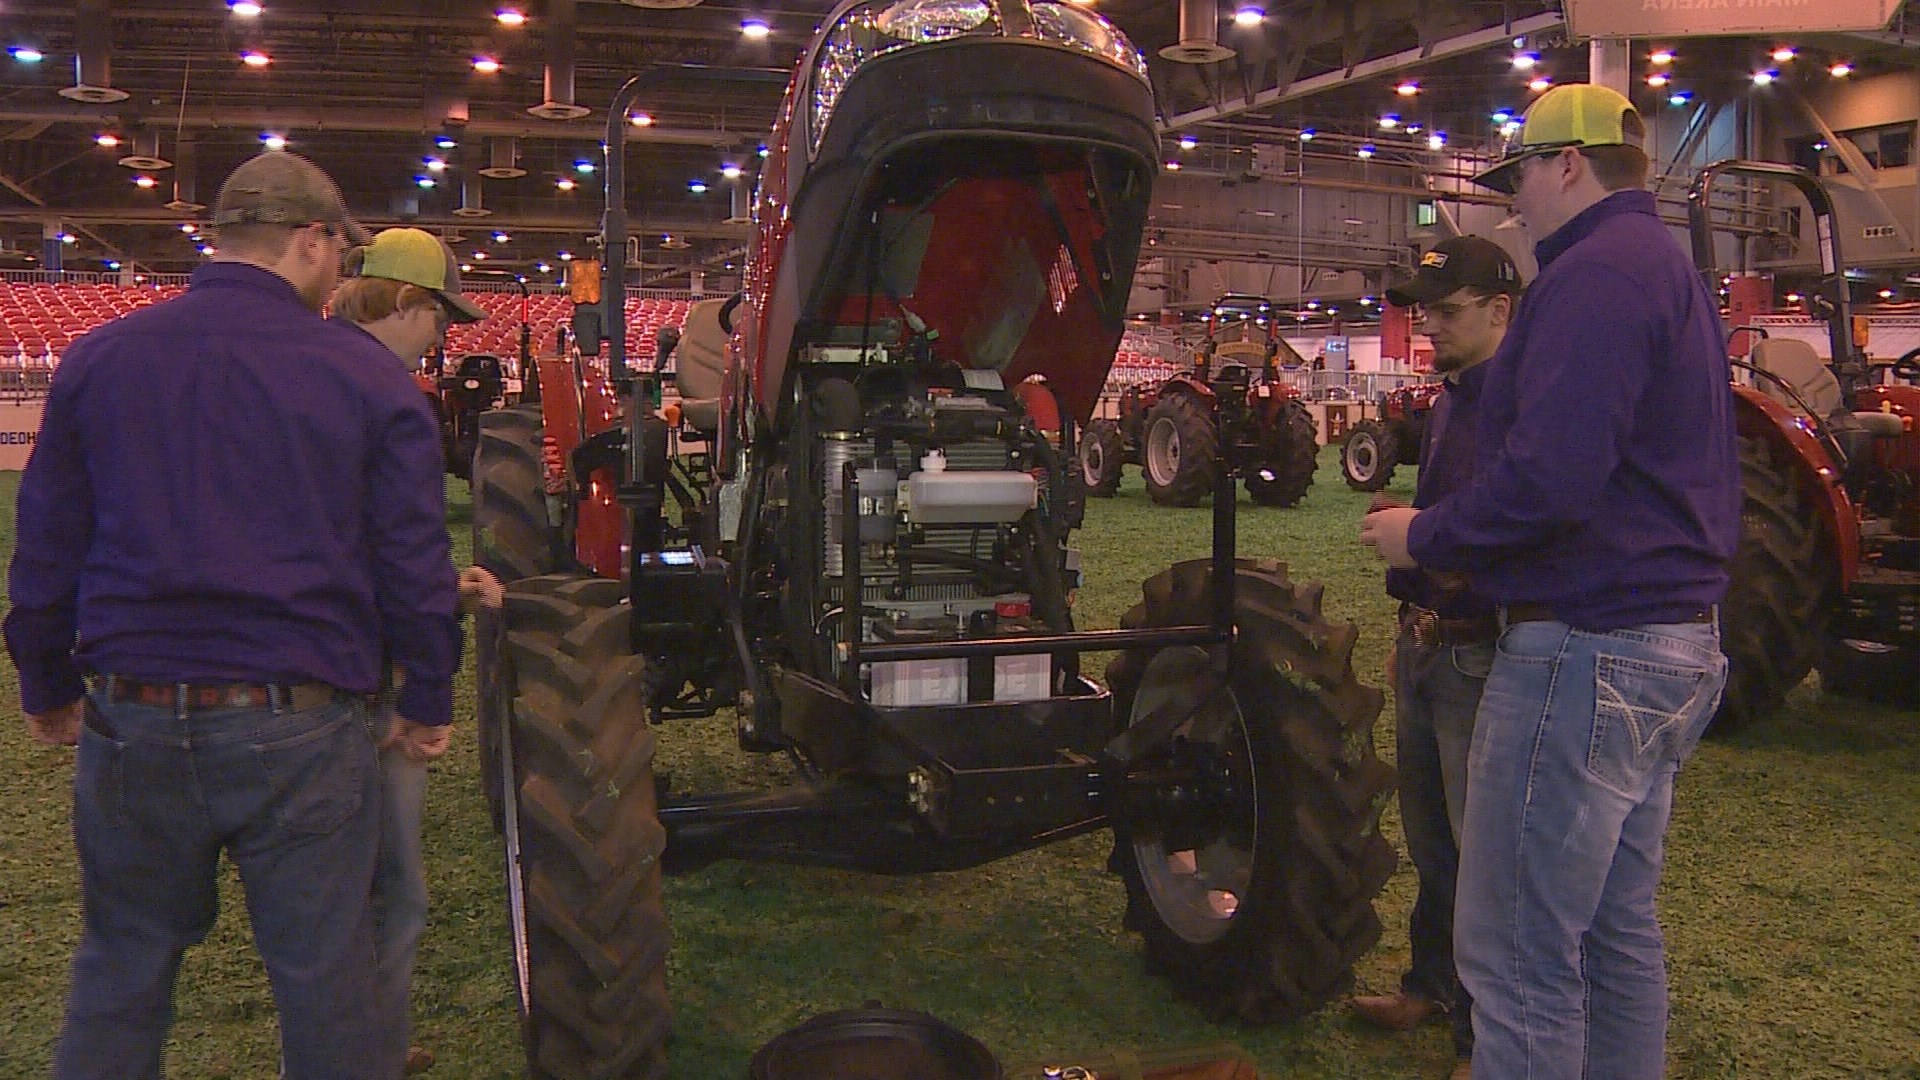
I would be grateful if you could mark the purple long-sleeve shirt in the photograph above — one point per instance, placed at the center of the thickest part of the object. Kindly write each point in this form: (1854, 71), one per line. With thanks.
(228, 488)
(1607, 487)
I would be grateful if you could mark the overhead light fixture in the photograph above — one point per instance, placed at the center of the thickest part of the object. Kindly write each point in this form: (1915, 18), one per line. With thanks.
(763, 151)
(113, 264)
(545, 268)
(1525, 61)
(1886, 294)
(1765, 78)
(466, 268)
(246, 9)
(1679, 97)
(424, 181)
(26, 54)
(1407, 89)
(1821, 145)
(107, 139)
(1660, 57)
(273, 141)
(1307, 134)
(1657, 80)
(1436, 140)
(755, 29)
(1173, 166)
(1313, 305)
(1366, 301)
(1249, 15)
(1188, 142)
(1793, 298)
(583, 167)
(641, 119)
(1840, 70)
(1502, 116)
(255, 59)
(144, 181)
(189, 228)
(565, 183)
(1784, 54)
(698, 187)
(1539, 84)
(501, 238)
(566, 256)
(479, 256)
(68, 238)
(435, 164)
(730, 171)
(446, 142)
(1510, 128)
(1415, 129)
(507, 16)
(1364, 152)
(1389, 122)
(486, 65)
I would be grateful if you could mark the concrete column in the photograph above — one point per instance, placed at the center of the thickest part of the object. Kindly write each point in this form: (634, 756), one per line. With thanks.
(52, 251)
(1610, 64)
(1396, 336)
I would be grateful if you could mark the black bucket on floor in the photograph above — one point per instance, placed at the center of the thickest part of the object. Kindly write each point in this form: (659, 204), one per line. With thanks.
(874, 1044)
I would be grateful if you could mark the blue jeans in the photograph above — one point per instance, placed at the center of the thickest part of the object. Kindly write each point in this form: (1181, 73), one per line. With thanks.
(293, 800)
(399, 892)
(1575, 750)
(1436, 691)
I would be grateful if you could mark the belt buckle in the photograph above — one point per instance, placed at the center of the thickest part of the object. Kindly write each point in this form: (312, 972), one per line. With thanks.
(1425, 627)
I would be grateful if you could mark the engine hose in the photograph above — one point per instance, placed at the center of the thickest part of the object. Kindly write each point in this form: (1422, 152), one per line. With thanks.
(1049, 588)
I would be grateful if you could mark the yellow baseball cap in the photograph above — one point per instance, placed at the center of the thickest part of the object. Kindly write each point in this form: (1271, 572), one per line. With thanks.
(416, 257)
(1574, 114)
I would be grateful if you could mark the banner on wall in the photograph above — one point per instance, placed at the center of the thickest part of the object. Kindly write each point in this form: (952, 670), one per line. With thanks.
(1722, 18)
(19, 426)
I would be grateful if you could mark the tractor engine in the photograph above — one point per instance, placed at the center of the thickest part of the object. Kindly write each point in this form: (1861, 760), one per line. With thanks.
(944, 509)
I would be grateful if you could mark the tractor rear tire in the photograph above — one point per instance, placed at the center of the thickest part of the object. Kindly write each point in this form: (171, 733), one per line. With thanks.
(1870, 671)
(1103, 451)
(590, 927)
(1291, 452)
(510, 542)
(1369, 455)
(1177, 451)
(1272, 932)
(1774, 616)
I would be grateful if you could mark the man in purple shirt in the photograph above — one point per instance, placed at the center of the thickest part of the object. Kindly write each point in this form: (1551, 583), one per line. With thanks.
(1604, 509)
(232, 520)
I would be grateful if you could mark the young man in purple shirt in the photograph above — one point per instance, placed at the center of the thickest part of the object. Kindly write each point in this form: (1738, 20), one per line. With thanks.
(1604, 509)
(232, 520)
(1465, 293)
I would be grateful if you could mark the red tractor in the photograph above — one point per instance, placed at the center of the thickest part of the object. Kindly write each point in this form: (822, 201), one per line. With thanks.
(877, 578)
(1374, 448)
(1230, 407)
(1828, 571)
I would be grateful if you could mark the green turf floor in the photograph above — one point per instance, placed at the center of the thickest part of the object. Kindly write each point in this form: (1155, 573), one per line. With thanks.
(1792, 896)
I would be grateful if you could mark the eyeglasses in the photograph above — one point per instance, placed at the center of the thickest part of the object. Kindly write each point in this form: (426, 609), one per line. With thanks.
(1437, 312)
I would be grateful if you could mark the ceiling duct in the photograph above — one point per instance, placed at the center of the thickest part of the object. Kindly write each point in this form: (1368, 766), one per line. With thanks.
(1199, 35)
(470, 197)
(143, 153)
(559, 104)
(92, 48)
(184, 201)
(503, 159)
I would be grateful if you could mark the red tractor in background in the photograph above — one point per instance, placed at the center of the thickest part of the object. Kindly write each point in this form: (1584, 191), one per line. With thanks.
(1374, 448)
(477, 383)
(1230, 407)
(877, 579)
(1827, 575)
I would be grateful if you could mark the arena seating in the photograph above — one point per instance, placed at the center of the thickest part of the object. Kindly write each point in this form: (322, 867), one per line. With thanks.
(38, 320)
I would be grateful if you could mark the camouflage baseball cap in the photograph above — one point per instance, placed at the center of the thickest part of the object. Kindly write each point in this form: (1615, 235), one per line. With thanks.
(279, 188)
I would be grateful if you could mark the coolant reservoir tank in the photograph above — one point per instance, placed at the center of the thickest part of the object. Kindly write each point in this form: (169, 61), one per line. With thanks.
(937, 496)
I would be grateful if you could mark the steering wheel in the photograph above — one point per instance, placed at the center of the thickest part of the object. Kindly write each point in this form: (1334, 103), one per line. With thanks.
(1908, 366)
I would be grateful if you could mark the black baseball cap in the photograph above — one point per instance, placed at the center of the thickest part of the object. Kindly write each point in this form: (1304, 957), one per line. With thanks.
(1456, 263)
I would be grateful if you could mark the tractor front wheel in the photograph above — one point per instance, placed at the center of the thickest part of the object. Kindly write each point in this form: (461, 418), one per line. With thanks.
(1249, 838)
(1369, 455)
(1178, 451)
(1102, 452)
(1774, 615)
(583, 834)
(1290, 452)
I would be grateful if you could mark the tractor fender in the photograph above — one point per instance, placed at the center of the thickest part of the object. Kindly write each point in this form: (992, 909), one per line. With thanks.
(1187, 384)
(572, 411)
(1760, 417)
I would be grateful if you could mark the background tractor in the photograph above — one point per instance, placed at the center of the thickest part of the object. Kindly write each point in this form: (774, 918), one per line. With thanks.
(1231, 407)
(1374, 448)
(476, 383)
(1828, 571)
(877, 579)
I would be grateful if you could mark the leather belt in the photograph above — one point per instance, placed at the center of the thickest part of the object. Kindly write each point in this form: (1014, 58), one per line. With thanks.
(1429, 627)
(1519, 613)
(298, 697)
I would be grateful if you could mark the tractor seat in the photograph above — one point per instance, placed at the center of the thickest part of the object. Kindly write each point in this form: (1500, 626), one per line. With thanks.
(1796, 364)
(700, 364)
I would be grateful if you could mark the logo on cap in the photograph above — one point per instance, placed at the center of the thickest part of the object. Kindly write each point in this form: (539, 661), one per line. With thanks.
(1435, 259)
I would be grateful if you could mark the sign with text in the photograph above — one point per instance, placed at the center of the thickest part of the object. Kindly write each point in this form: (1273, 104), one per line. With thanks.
(1722, 18)
(19, 426)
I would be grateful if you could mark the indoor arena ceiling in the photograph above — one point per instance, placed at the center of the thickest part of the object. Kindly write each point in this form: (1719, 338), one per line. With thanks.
(373, 89)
